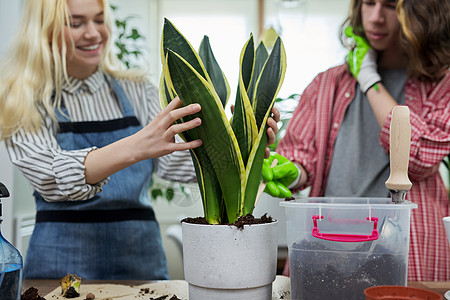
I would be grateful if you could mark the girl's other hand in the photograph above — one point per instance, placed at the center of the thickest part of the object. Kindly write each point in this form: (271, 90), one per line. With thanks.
(272, 129)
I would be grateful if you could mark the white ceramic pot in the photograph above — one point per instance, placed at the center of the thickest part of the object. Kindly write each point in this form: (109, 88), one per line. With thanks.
(223, 262)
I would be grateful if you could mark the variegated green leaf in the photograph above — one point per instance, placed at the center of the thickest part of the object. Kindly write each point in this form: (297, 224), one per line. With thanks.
(218, 78)
(163, 92)
(243, 121)
(267, 87)
(210, 191)
(173, 39)
(253, 173)
(247, 61)
(209, 186)
(260, 59)
(269, 82)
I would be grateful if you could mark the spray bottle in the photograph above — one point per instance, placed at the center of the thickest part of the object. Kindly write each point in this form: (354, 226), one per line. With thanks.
(11, 263)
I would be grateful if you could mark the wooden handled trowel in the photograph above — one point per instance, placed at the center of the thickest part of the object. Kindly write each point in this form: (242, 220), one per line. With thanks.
(400, 139)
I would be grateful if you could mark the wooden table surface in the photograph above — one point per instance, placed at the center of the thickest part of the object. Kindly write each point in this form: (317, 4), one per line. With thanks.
(45, 286)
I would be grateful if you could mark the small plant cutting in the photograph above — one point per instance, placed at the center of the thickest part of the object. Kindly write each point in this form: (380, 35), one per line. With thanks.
(229, 162)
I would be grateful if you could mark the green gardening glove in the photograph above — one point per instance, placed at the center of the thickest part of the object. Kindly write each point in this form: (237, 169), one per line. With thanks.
(362, 61)
(279, 177)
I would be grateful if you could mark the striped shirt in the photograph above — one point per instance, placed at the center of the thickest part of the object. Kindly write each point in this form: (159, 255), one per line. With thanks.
(58, 175)
(312, 132)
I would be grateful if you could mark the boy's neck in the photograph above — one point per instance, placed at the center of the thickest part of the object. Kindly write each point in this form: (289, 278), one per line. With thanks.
(393, 58)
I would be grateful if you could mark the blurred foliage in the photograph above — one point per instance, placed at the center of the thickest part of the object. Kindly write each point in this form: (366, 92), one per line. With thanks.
(177, 193)
(167, 193)
(128, 41)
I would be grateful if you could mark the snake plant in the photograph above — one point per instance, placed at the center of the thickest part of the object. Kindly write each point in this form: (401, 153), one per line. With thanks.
(229, 162)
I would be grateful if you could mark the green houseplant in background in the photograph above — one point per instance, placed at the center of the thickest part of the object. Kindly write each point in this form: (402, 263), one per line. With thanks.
(128, 42)
(228, 164)
(221, 261)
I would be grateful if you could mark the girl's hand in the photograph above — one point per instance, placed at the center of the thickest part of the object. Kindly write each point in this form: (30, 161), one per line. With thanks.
(158, 137)
(154, 140)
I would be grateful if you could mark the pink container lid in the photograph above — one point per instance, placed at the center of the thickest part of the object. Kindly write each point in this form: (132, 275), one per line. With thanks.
(394, 292)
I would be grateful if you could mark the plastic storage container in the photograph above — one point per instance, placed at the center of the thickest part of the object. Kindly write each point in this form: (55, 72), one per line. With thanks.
(11, 264)
(338, 247)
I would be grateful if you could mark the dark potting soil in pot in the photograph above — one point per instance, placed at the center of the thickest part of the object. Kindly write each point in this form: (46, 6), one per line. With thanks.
(322, 273)
(244, 220)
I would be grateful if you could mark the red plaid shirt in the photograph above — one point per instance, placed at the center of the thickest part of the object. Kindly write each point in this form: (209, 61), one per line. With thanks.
(312, 133)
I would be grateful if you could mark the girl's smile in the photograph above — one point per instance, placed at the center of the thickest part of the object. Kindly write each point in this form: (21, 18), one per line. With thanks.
(89, 35)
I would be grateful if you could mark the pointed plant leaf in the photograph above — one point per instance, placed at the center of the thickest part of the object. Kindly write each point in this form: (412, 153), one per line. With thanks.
(267, 87)
(212, 67)
(173, 39)
(243, 121)
(218, 138)
(260, 59)
(211, 193)
(207, 179)
(247, 61)
(269, 82)
(254, 165)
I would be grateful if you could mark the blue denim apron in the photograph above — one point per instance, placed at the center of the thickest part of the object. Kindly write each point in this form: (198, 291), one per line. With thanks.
(115, 234)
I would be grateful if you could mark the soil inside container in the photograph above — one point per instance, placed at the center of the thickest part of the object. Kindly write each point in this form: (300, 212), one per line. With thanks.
(244, 220)
(326, 274)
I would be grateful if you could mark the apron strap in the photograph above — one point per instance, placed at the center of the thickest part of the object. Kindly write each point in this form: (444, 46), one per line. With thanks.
(95, 216)
(124, 102)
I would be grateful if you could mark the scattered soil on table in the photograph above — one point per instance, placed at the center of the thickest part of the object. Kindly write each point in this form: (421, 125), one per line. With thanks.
(31, 294)
(146, 291)
(71, 293)
(90, 296)
(244, 220)
(165, 297)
